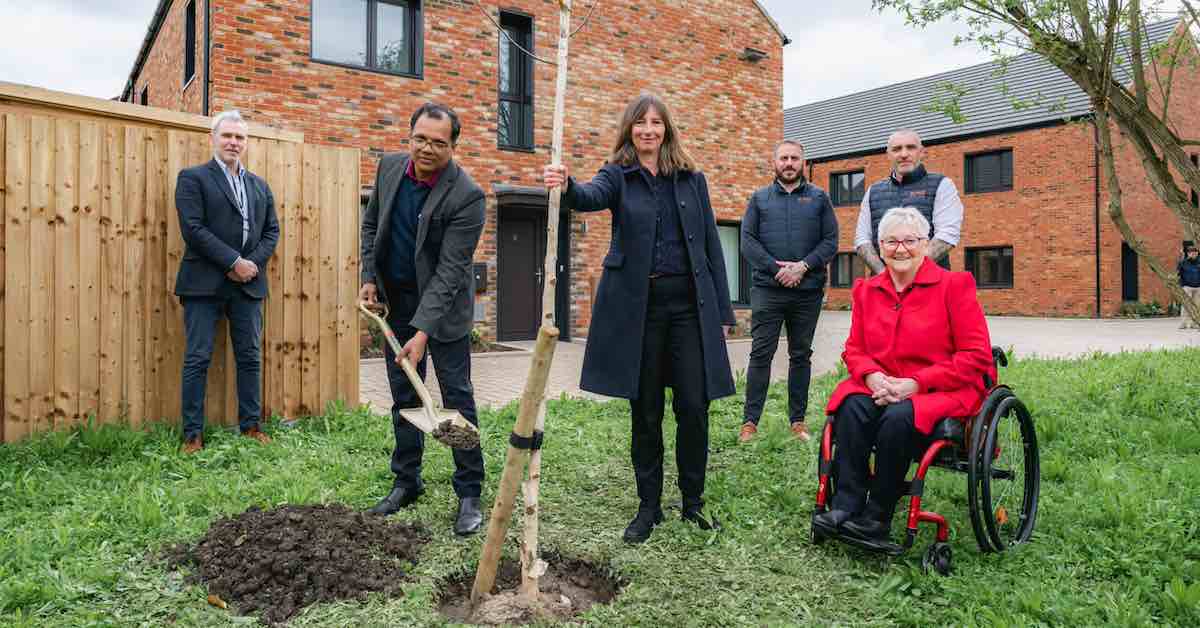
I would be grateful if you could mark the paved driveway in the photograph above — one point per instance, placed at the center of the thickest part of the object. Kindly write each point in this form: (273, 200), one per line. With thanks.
(500, 377)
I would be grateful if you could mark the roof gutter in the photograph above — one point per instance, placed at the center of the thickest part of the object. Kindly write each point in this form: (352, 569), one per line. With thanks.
(156, 22)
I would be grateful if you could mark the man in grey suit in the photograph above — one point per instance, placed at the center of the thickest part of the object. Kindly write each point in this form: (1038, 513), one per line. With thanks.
(419, 233)
(227, 218)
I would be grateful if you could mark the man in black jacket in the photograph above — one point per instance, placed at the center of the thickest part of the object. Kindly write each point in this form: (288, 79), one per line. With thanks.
(789, 235)
(419, 233)
(227, 217)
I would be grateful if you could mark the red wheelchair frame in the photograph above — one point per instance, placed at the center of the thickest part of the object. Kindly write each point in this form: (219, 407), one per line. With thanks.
(977, 447)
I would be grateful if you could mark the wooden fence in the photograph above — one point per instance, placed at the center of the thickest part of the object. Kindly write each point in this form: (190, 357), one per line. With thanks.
(91, 246)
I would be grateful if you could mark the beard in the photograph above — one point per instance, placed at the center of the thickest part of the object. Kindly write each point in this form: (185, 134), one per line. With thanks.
(787, 178)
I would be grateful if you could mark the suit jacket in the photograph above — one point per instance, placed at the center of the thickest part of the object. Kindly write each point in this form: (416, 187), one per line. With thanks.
(935, 333)
(612, 359)
(212, 231)
(448, 230)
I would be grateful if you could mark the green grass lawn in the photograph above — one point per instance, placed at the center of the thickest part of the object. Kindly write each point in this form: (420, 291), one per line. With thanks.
(84, 514)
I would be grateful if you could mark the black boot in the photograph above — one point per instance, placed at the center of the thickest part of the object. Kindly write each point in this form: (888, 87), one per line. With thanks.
(469, 517)
(696, 515)
(643, 523)
(828, 522)
(397, 499)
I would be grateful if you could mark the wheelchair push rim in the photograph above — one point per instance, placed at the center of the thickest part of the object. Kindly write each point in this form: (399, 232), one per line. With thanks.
(1009, 473)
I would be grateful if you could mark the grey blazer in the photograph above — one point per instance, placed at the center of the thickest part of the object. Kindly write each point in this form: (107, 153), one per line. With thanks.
(448, 230)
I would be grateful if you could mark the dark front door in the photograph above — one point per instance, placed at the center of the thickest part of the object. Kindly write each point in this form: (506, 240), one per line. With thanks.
(1129, 273)
(520, 251)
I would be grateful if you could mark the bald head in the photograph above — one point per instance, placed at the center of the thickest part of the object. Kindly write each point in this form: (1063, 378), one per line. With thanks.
(905, 151)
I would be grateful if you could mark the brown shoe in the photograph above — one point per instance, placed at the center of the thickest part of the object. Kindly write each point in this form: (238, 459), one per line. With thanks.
(192, 446)
(800, 431)
(257, 435)
(748, 431)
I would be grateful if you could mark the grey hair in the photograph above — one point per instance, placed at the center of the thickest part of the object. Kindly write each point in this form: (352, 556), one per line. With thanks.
(233, 115)
(905, 132)
(903, 216)
(783, 143)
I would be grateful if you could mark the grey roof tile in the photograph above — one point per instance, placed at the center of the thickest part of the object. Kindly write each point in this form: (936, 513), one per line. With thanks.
(861, 122)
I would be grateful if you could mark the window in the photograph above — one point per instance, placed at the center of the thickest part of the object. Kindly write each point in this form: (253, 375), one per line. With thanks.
(989, 172)
(846, 267)
(737, 269)
(145, 97)
(992, 266)
(189, 42)
(514, 122)
(381, 35)
(847, 188)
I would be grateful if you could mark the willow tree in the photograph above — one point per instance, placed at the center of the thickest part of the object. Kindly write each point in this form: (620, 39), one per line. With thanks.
(1103, 47)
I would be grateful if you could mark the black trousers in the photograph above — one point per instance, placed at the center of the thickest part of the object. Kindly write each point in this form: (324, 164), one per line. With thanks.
(862, 426)
(774, 308)
(671, 356)
(200, 318)
(452, 361)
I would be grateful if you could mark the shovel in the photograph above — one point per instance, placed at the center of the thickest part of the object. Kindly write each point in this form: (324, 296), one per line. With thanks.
(448, 427)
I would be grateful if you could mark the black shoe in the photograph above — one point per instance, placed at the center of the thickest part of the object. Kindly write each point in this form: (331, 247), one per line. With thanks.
(867, 529)
(696, 516)
(397, 499)
(469, 518)
(828, 522)
(643, 523)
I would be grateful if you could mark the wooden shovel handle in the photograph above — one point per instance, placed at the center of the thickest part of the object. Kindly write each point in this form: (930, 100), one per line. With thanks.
(405, 363)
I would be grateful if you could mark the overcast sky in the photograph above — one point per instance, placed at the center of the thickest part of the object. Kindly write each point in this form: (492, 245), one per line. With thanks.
(88, 46)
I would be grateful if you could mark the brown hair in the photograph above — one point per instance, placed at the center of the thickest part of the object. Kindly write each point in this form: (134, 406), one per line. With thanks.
(672, 156)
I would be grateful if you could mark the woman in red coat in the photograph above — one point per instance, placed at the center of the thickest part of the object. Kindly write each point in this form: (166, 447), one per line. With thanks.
(917, 352)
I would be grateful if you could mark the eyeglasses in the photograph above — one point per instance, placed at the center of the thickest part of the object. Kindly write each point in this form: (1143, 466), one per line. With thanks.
(420, 141)
(892, 243)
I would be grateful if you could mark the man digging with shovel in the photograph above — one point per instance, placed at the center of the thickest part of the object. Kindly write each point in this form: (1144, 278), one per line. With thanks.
(419, 233)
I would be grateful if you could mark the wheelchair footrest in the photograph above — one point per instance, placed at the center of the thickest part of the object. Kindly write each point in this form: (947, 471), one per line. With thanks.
(878, 547)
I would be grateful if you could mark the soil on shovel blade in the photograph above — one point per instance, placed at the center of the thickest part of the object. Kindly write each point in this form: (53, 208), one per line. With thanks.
(456, 436)
(568, 588)
(273, 563)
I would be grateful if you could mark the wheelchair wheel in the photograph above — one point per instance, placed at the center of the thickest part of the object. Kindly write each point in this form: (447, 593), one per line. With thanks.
(975, 445)
(1010, 475)
(938, 558)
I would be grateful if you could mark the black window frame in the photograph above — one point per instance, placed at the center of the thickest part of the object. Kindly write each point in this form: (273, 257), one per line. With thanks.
(144, 96)
(741, 300)
(835, 197)
(522, 97)
(971, 186)
(189, 42)
(416, 30)
(971, 262)
(835, 275)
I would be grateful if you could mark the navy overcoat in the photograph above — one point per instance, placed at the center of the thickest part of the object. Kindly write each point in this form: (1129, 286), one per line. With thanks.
(612, 360)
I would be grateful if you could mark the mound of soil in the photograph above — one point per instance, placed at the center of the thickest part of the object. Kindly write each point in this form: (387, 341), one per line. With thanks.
(568, 588)
(456, 436)
(273, 563)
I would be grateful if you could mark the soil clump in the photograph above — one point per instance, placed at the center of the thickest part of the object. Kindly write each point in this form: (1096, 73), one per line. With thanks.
(273, 563)
(567, 589)
(456, 436)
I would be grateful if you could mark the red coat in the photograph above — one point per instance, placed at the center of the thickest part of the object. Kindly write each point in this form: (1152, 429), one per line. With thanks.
(934, 333)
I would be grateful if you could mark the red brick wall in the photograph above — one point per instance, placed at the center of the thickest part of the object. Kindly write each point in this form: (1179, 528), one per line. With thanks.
(1047, 217)
(729, 110)
(163, 68)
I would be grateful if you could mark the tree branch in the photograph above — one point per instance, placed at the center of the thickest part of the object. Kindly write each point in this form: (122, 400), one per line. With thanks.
(1135, 51)
(1169, 278)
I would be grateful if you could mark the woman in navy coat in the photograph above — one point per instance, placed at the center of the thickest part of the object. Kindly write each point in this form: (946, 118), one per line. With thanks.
(662, 307)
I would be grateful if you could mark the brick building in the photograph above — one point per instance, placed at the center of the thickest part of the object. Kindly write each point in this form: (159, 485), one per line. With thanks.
(350, 72)
(1036, 232)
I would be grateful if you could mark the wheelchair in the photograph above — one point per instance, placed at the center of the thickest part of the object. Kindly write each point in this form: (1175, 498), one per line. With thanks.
(996, 449)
